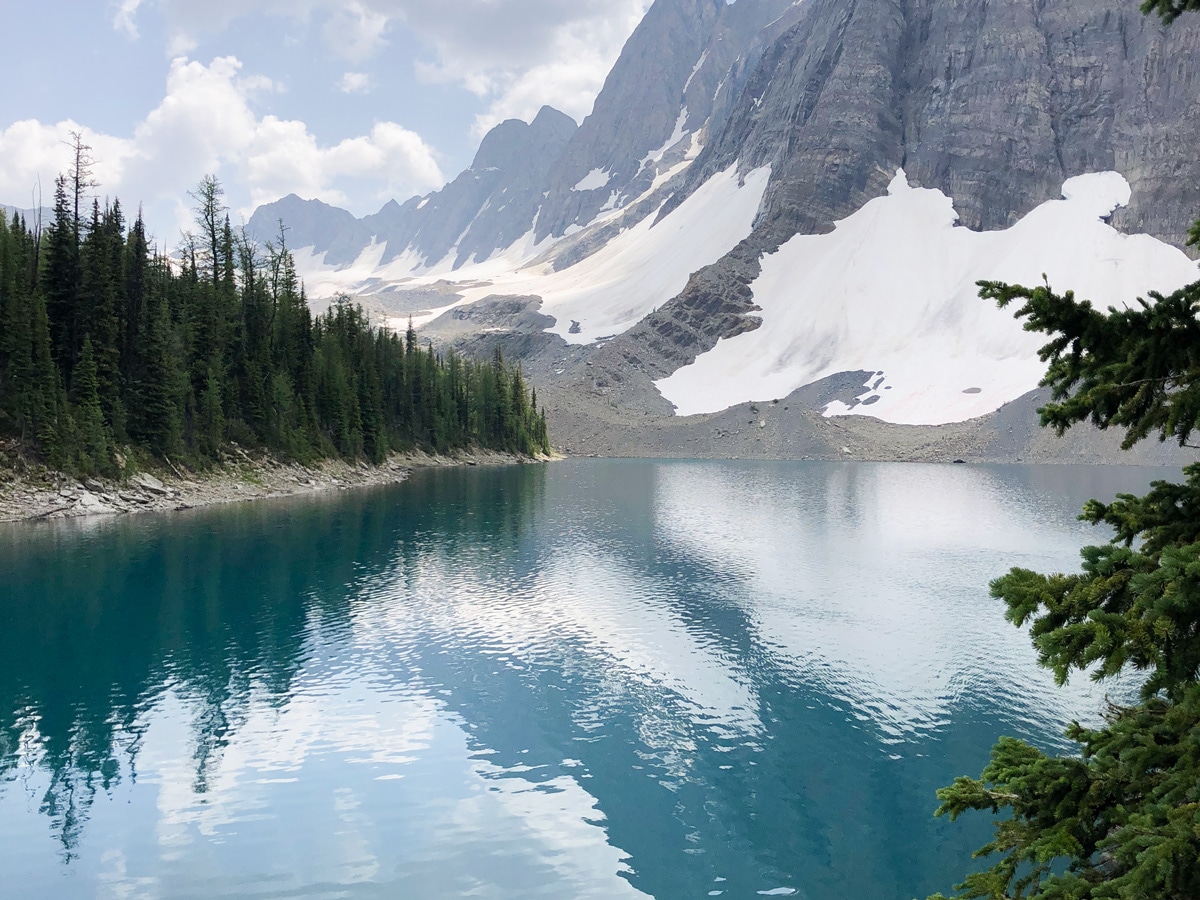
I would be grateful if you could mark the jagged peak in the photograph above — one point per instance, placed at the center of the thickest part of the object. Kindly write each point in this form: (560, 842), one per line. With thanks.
(513, 138)
(549, 116)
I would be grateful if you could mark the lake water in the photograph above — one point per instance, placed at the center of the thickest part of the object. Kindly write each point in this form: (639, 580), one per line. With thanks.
(588, 679)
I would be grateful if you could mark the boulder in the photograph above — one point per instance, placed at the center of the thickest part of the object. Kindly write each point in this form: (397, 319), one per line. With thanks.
(149, 483)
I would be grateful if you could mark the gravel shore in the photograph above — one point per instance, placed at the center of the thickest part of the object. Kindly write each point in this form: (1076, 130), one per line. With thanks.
(41, 494)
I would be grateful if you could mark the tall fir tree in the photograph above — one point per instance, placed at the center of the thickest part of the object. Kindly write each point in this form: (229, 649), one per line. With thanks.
(94, 453)
(64, 281)
(102, 250)
(1120, 818)
(105, 344)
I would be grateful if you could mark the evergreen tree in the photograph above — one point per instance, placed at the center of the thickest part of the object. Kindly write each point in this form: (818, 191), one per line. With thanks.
(101, 250)
(63, 281)
(137, 276)
(93, 441)
(1170, 10)
(210, 431)
(49, 411)
(154, 377)
(179, 357)
(16, 333)
(1122, 818)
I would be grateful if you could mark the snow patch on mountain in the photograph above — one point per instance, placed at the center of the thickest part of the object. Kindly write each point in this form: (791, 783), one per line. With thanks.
(892, 290)
(593, 181)
(324, 280)
(643, 267)
(655, 156)
(696, 70)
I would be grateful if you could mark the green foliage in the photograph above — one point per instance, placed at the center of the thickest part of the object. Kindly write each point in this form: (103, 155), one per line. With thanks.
(92, 436)
(1170, 10)
(178, 358)
(1122, 819)
(1136, 368)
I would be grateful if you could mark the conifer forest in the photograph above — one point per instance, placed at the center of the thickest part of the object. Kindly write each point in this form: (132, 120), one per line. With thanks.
(109, 346)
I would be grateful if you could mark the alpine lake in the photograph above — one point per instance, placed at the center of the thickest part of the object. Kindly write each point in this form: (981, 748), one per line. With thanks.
(586, 679)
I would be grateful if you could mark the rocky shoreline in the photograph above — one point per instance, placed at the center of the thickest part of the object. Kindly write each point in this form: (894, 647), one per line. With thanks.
(40, 494)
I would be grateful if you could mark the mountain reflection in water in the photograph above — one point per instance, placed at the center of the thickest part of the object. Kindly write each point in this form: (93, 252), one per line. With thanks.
(589, 679)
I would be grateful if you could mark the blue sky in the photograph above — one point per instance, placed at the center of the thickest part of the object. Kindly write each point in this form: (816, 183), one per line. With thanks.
(352, 102)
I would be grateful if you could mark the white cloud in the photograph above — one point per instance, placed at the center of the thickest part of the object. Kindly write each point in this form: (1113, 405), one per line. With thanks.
(33, 154)
(523, 54)
(125, 18)
(356, 83)
(517, 54)
(284, 157)
(206, 124)
(355, 32)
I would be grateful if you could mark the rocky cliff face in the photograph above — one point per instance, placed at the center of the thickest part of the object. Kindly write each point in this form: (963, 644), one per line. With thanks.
(311, 223)
(495, 202)
(996, 104)
(676, 79)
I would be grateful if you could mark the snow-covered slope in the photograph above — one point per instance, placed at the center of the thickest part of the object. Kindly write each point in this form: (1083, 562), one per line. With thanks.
(892, 290)
(722, 225)
(643, 267)
(677, 78)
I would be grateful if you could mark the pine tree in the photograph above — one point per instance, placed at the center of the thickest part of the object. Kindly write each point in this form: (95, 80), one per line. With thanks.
(155, 382)
(101, 249)
(1170, 10)
(177, 358)
(63, 281)
(137, 276)
(92, 436)
(49, 411)
(1121, 818)
(16, 331)
(210, 433)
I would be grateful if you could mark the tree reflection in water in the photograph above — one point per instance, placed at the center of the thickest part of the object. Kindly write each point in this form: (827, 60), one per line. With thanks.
(102, 617)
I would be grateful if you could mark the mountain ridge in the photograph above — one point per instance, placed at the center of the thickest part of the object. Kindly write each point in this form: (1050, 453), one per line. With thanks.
(993, 105)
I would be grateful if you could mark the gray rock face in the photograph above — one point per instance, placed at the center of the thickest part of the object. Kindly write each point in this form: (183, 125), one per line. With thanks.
(493, 203)
(679, 73)
(994, 103)
(311, 223)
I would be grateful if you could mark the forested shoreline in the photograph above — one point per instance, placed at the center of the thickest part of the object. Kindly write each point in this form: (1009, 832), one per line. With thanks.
(109, 347)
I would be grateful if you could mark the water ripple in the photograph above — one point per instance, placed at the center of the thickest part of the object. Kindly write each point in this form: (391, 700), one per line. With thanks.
(595, 679)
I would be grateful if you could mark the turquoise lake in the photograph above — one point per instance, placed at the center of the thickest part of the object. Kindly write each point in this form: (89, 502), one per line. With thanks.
(589, 679)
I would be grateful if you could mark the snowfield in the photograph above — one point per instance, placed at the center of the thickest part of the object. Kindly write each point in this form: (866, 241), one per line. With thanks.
(645, 266)
(602, 295)
(892, 291)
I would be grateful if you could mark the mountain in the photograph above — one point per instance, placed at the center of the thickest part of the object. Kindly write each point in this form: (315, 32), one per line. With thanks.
(771, 196)
(675, 81)
(487, 208)
(31, 216)
(994, 105)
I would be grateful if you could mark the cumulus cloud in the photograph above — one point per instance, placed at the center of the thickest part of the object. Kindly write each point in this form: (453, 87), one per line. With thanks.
(516, 54)
(356, 83)
(206, 124)
(522, 54)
